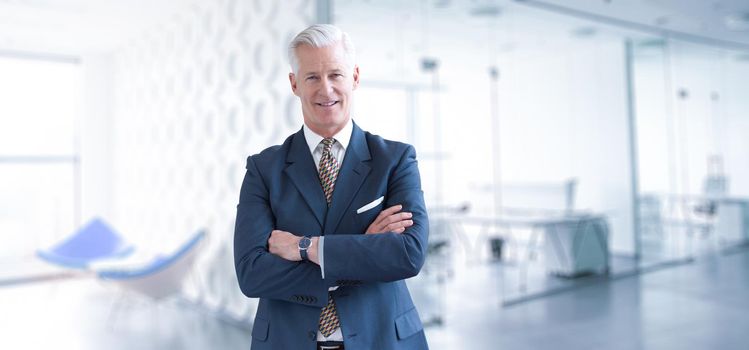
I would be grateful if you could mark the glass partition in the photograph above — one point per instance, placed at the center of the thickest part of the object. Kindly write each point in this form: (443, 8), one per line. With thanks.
(520, 120)
(555, 151)
(691, 116)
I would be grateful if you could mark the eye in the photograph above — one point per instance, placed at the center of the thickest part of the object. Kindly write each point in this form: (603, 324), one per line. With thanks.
(312, 77)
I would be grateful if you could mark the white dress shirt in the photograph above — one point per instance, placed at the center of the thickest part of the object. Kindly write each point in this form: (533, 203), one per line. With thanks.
(339, 151)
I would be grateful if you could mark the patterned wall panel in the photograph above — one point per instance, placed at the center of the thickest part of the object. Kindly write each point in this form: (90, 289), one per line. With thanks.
(193, 98)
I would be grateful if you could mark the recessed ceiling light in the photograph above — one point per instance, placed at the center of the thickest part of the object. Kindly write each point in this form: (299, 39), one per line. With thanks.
(486, 10)
(737, 21)
(661, 20)
(440, 4)
(584, 32)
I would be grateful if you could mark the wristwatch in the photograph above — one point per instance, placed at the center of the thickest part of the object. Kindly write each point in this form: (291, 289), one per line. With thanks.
(304, 243)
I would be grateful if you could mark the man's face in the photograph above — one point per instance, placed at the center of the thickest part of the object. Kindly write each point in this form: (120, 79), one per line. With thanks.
(325, 84)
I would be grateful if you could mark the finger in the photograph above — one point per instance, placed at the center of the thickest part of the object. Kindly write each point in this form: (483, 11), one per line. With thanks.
(400, 224)
(383, 222)
(389, 211)
(397, 217)
(400, 230)
(394, 226)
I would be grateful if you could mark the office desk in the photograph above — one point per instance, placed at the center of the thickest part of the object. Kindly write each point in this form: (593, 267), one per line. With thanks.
(732, 220)
(729, 218)
(574, 244)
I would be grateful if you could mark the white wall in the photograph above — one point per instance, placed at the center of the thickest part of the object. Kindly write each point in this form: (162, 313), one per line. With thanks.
(193, 98)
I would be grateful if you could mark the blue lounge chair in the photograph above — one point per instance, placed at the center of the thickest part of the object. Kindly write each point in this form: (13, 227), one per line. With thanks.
(95, 241)
(161, 275)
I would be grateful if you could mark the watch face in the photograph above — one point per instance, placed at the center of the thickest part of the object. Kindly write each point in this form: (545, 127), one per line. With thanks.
(304, 243)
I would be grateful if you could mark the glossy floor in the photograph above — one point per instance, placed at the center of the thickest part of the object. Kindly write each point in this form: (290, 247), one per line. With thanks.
(700, 305)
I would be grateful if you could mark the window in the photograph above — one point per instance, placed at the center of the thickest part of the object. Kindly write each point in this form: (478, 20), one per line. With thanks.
(39, 105)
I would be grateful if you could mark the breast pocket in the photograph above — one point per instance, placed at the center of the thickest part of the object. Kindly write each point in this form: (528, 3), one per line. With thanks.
(366, 213)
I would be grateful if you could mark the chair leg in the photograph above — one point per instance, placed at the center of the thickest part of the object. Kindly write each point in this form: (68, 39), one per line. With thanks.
(114, 309)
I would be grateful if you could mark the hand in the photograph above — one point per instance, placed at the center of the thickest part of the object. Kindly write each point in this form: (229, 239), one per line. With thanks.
(284, 244)
(391, 220)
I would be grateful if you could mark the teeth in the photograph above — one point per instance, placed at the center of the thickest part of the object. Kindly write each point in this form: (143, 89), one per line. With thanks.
(328, 104)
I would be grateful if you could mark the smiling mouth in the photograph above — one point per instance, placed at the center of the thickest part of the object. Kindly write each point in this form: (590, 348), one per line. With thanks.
(327, 104)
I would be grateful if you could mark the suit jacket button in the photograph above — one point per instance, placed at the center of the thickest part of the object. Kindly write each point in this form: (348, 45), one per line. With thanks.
(312, 335)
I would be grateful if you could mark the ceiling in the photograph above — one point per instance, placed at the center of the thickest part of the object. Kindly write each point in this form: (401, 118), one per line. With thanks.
(722, 22)
(77, 27)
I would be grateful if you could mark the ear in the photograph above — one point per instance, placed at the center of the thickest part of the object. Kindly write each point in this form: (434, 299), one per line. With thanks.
(356, 76)
(292, 81)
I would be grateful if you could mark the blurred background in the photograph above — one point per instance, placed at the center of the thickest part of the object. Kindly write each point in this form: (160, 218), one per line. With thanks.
(584, 163)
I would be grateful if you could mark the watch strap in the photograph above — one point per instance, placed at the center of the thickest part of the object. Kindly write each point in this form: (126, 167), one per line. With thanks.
(303, 251)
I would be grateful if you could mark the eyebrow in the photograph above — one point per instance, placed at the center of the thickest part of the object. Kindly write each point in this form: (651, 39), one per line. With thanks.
(337, 70)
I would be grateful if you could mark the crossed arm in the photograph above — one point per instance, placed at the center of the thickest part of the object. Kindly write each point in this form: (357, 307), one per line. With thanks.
(285, 244)
(393, 248)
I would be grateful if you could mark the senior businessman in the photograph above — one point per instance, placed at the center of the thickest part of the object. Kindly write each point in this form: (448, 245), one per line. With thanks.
(331, 222)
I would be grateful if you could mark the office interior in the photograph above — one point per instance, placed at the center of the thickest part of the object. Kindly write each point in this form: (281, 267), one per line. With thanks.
(584, 164)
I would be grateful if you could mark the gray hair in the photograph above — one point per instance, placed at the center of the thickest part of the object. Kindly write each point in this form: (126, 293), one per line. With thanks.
(321, 35)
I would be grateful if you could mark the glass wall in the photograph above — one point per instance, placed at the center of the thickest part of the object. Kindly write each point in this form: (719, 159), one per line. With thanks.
(521, 124)
(691, 116)
(526, 121)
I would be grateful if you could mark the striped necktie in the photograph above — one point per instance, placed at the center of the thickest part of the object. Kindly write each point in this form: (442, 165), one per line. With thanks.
(328, 173)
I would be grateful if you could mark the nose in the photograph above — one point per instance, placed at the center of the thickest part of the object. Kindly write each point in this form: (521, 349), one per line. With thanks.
(327, 86)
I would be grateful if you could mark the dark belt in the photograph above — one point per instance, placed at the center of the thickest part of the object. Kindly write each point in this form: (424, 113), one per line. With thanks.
(330, 345)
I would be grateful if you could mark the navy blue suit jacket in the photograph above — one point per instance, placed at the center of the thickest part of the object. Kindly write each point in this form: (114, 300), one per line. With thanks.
(281, 190)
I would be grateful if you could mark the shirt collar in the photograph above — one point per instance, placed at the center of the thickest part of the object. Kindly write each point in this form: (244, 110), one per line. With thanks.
(343, 137)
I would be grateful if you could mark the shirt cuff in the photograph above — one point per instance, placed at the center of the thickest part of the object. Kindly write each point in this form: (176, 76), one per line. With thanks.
(320, 255)
(320, 244)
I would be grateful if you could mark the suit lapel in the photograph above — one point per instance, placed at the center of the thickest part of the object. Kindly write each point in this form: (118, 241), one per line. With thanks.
(302, 171)
(351, 175)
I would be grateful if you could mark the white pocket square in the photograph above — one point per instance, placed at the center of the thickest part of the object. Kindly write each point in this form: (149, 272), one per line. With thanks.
(371, 205)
